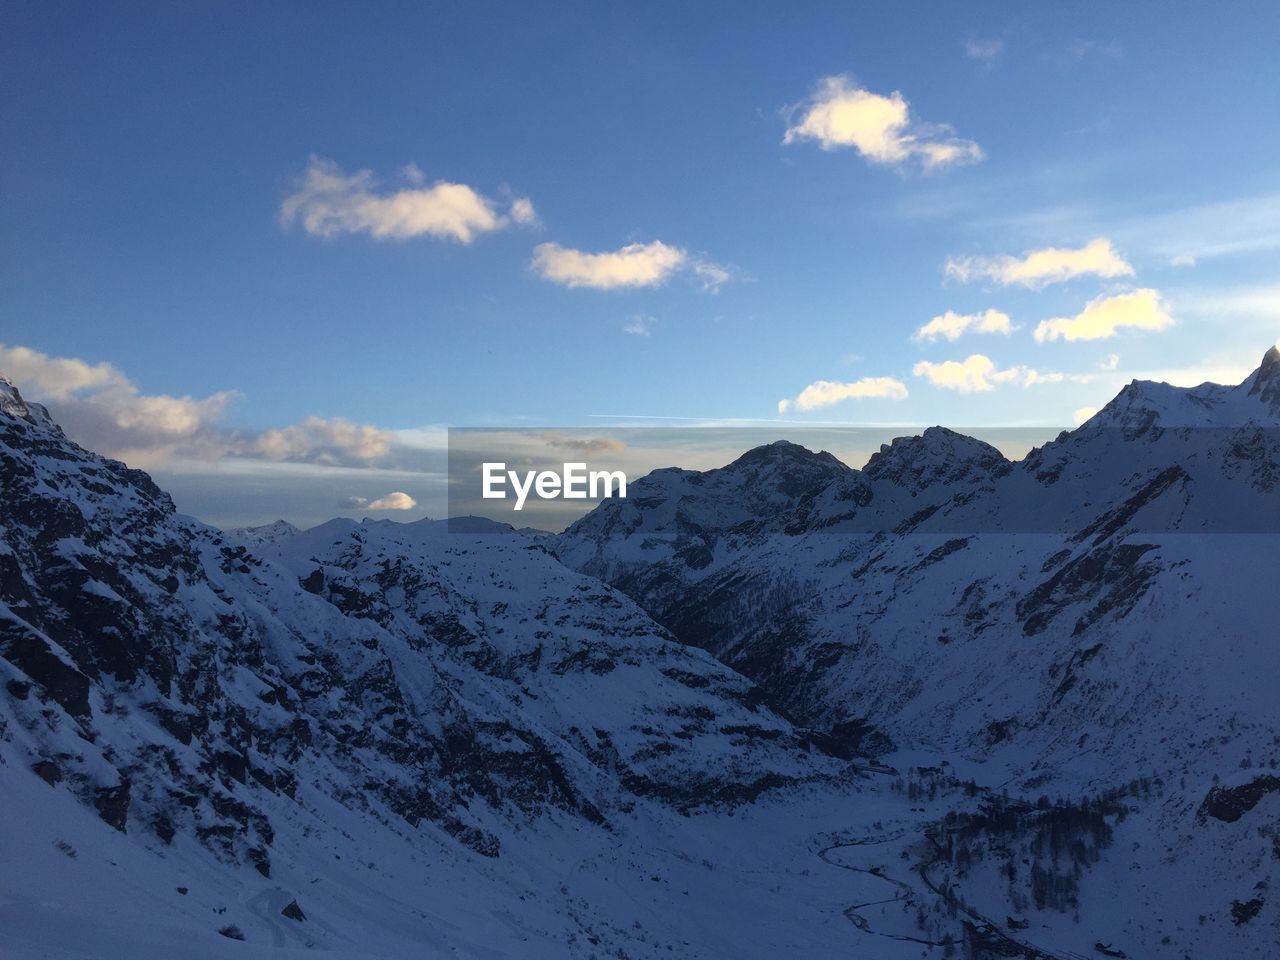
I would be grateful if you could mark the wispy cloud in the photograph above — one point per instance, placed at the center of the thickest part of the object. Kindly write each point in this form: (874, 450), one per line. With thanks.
(951, 325)
(1204, 231)
(641, 325)
(1082, 49)
(581, 444)
(824, 393)
(1104, 317)
(985, 50)
(979, 374)
(635, 265)
(1038, 268)
(841, 114)
(328, 202)
(711, 275)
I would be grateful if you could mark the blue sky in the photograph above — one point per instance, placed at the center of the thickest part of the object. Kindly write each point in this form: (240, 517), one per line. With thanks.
(772, 230)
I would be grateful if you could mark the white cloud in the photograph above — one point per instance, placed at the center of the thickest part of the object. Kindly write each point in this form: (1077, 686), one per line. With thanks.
(317, 440)
(522, 211)
(841, 114)
(396, 500)
(635, 265)
(1109, 362)
(1037, 268)
(979, 374)
(712, 275)
(951, 325)
(823, 393)
(640, 325)
(328, 202)
(1103, 317)
(55, 377)
(1083, 414)
(1182, 260)
(102, 409)
(985, 51)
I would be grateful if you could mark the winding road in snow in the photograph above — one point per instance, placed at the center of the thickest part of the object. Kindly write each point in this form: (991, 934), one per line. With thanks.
(904, 891)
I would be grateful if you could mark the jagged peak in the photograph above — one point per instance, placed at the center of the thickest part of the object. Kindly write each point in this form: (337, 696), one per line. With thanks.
(13, 404)
(1141, 404)
(936, 454)
(1265, 381)
(786, 453)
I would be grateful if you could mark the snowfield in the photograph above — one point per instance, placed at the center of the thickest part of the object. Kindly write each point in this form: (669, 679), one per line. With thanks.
(944, 705)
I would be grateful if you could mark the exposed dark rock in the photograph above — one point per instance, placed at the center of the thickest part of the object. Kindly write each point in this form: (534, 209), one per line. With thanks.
(293, 911)
(1244, 911)
(112, 804)
(1229, 804)
(48, 771)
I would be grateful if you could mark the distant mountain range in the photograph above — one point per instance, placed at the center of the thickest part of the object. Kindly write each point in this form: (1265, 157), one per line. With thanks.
(782, 708)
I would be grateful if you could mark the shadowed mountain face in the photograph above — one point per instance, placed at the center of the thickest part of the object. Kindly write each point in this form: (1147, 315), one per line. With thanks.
(649, 736)
(187, 687)
(1079, 602)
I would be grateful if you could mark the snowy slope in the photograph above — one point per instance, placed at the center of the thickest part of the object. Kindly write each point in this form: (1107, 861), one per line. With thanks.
(441, 740)
(1103, 609)
(428, 700)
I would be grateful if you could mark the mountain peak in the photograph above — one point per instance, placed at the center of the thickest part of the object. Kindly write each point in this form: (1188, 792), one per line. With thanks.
(13, 404)
(934, 456)
(784, 452)
(1264, 382)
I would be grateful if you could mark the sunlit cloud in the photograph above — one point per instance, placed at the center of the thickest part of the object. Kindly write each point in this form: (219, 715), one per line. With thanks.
(328, 202)
(317, 440)
(55, 377)
(396, 500)
(102, 409)
(951, 325)
(980, 374)
(824, 393)
(1038, 268)
(1104, 317)
(841, 114)
(1083, 414)
(635, 265)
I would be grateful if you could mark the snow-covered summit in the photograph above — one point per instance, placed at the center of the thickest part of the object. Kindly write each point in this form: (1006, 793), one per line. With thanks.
(13, 404)
(936, 456)
(1143, 404)
(265, 533)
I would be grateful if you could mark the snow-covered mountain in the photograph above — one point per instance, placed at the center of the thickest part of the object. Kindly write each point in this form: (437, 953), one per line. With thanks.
(440, 689)
(650, 736)
(1101, 609)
